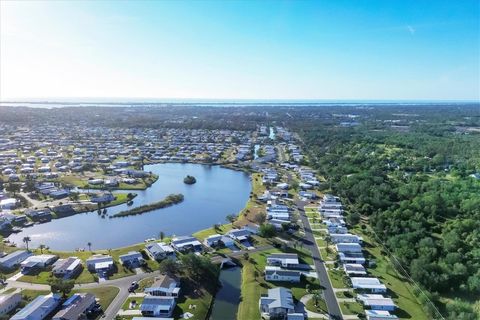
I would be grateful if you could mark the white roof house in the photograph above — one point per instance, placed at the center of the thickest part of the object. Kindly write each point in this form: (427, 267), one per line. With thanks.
(351, 257)
(8, 204)
(283, 259)
(368, 284)
(354, 269)
(376, 302)
(99, 262)
(379, 315)
(216, 239)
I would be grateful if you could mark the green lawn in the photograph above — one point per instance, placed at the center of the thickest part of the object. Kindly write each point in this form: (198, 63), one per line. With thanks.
(349, 308)
(345, 294)
(126, 304)
(321, 307)
(202, 234)
(105, 295)
(337, 278)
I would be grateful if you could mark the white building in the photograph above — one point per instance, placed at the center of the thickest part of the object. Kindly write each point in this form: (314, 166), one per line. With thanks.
(368, 284)
(157, 306)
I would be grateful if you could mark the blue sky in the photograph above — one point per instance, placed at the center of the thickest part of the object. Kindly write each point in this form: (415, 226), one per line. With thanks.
(407, 50)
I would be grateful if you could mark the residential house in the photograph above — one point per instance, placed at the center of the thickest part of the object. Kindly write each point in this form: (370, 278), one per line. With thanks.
(8, 204)
(159, 251)
(351, 257)
(67, 268)
(368, 284)
(285, 260)
(101, 264)
(218, 240)
(132, 259)
(14, 259)
(354, 269)
(345, 238)
(37, 262)
(164, 286)
(9, 302)
(76, 307)
(277, 303)
(379, 315)
(102, 197)
(186, 243)
(273, 273)
(157, 306)
(39, 215)
(239, 234)
(40, 308)
(376, 302)
(348, 247)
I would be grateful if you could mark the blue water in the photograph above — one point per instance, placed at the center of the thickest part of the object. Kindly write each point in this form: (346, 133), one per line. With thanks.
(217, 193)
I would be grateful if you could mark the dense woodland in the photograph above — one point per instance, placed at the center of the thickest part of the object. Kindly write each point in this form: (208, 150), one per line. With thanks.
(415, 190)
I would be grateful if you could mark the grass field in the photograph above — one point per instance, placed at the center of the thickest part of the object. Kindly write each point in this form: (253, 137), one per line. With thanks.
(349, 308)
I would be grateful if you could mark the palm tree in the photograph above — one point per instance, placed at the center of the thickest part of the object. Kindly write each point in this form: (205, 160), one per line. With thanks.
(41, 247)
(161, 235)
(26, 240)
(89, 244)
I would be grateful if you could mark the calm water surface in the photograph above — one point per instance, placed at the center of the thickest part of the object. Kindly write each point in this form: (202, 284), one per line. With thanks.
(217, 193)
(228, 297)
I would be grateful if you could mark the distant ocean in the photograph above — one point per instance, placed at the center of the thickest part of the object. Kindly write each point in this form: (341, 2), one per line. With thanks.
(220, 103)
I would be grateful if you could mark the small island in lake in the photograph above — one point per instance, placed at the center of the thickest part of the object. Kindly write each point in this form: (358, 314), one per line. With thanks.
(189, 180)
(170, 200)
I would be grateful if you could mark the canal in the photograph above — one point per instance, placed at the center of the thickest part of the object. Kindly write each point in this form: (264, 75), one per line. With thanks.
(228, 297)
(217, 193)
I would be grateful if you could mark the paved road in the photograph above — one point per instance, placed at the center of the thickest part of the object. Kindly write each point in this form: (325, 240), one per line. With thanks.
(330, 299)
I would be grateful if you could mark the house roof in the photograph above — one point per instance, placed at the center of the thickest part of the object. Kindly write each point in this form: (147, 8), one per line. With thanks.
(278, 298)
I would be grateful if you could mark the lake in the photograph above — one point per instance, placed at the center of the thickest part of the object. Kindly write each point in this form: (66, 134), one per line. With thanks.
(228, 297)
(217, 193)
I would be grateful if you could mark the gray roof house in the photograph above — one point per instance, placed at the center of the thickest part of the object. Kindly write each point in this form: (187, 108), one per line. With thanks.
(132, 259)
(156, 306)
(14, 259)
(67, 268)
(164, 286)
(39, 308)
(159, 250)
(76, 307)
(277, 303)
